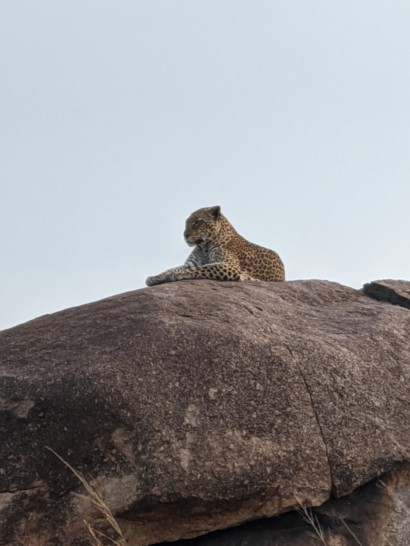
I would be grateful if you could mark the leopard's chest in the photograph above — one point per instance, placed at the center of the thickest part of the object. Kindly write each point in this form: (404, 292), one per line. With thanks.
(209, 253)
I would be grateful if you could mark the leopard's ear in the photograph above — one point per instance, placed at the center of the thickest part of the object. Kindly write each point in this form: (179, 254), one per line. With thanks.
(215, 212)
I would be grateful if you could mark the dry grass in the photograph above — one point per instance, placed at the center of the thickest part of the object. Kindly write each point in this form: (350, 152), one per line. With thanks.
(310, 517)
(95, 497)
(318, 532)
(392, 495)
(351, 532)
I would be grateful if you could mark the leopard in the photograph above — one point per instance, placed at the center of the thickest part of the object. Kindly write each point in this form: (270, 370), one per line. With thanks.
(221, 254)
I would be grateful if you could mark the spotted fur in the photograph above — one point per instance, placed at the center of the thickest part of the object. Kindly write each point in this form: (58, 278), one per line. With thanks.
(221, 254)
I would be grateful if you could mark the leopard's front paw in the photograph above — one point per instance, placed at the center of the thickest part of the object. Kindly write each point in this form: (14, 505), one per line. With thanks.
(159, 279)
(151, 281)
(156, 279)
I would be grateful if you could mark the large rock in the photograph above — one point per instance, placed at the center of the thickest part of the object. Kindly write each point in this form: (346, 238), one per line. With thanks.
(375, 514)
(395, 292)
(199, 405)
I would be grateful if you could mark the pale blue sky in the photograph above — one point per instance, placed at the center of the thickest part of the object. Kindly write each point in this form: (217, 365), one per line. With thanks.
(119, 118)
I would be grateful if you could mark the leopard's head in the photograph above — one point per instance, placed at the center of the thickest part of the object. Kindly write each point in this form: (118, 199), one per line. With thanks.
(203, 226)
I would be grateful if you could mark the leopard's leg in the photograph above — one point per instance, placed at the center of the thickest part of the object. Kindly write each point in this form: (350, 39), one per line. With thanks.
(194, 259)
(165, 276)
(219, 271)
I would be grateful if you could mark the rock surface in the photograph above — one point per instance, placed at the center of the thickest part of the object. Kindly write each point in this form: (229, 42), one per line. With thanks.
(375, 514)
(395, 292)
(199, 405)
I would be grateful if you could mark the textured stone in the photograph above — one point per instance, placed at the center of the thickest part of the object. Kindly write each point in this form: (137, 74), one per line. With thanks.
(375, 514)
(199, 405)
(391, 291)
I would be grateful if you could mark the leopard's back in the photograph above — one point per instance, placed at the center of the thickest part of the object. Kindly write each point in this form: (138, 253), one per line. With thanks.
(258, 262)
